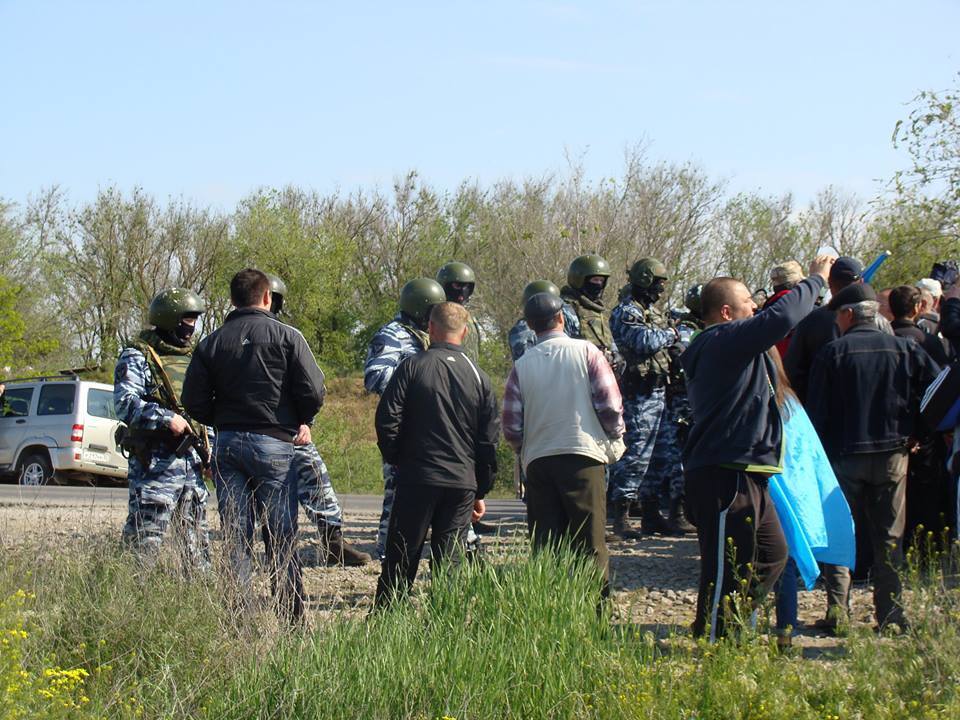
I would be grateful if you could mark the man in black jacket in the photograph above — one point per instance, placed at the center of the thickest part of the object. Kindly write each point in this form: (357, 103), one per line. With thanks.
(818, 328)
(950, 319)
(736, 442)
(437, 422)
(905, 304)
(257, 383)
(865, 391)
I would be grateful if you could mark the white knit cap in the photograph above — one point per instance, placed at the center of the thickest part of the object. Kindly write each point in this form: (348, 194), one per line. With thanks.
(931, 286)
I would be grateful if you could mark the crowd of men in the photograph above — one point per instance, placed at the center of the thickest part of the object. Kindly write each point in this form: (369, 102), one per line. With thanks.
(616, 410)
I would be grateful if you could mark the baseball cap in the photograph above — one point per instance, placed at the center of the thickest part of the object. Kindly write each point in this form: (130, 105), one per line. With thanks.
(541, 306)
(931, 286)
(852, 294)
(846, 270)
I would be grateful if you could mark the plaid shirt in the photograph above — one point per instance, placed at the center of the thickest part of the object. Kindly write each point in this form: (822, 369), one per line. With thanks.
(604, 392)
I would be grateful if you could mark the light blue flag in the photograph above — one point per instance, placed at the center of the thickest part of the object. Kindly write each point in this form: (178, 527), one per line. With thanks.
(814, 513)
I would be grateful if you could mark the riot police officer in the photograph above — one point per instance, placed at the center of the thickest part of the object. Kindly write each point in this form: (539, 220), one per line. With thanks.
(167, 451)
(584, 315)
(404, 336)
(521, 336)
(644, 337)
(314, 490)
(459, 281)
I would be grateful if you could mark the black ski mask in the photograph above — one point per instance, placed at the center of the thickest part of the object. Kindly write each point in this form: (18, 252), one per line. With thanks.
(460, 294)
(184, 332)
(594, 291)
(276, 303)
(649, 295)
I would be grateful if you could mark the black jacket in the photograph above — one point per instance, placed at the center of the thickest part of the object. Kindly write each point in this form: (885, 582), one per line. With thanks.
(950, 324)
(931, 343)
(729, 378)
(254, 374)
(811, 335)
(865, 391)
(438, 421)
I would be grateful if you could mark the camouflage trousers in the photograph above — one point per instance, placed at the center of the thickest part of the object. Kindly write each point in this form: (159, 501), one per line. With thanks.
(389, 492)
(169, 492)
(650, 467)
(314, 490)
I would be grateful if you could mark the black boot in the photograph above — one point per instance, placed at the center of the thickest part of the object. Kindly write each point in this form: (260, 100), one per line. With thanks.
(621, 522)
(337, 551)
(651, 521)
(679, 525)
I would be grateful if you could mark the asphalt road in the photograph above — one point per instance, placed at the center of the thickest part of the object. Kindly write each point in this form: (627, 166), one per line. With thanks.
(76, 496)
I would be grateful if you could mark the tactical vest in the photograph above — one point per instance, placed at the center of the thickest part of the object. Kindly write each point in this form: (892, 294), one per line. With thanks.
(658, 364)
(419, 335)
(173, 365)
(593, 319)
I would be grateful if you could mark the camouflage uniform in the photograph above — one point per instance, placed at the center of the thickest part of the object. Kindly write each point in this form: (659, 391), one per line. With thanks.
(166, 488)
(314, 490)
(520, 338)
(643, 336)
(585, 319)
(393, 343)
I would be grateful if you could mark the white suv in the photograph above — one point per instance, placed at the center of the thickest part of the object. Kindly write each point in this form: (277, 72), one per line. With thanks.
(59, 427)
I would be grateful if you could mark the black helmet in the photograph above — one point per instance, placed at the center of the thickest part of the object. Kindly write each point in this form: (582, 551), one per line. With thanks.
(170, 305)
(278, 291)
(418, 296)
(539, 286)
(692, 299)
(586, 266)
(645, 270)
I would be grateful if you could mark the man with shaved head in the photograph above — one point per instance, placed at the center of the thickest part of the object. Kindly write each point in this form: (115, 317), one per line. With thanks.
(736, 442)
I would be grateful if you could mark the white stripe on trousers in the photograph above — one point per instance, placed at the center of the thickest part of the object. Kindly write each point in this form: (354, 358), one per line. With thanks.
(718, 582)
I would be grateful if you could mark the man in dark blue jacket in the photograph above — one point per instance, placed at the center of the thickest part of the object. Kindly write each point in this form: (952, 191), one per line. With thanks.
(736, 441)
(865, 392)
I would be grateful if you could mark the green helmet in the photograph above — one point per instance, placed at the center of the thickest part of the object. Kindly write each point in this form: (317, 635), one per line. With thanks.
(539, 286)
(645, 270)
(277, 285)
(278, 291)
(171, 304)
(456, 272)
(586, 266)
(418, 296)
(692, 299)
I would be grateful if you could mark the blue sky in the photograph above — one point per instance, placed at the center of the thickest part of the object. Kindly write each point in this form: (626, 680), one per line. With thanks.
(210, 100)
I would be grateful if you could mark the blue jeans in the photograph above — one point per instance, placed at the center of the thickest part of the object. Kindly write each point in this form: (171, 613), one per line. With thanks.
(254, 480)
(787, 597)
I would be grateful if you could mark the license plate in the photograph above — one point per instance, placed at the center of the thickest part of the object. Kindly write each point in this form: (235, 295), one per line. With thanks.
(92, 456)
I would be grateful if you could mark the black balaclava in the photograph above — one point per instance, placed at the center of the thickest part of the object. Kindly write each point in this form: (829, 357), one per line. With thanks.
(593, 291)
(276, 303)
(648, 295)
(182, 333)
(458, 296)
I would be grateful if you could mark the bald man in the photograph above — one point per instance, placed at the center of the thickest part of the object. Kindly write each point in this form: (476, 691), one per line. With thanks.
(736, 442)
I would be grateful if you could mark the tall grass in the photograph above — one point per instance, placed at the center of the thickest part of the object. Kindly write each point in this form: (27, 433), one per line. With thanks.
(520, 638)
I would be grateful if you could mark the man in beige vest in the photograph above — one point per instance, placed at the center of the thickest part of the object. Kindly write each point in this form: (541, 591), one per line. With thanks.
(563, 414)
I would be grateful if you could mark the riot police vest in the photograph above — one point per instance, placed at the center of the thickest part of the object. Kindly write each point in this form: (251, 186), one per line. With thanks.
(593, 319)
(657, 364)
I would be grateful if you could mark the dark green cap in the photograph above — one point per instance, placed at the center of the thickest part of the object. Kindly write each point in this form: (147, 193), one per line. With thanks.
(456, 272)
(277, 286)
(539, 286)
(645, 270)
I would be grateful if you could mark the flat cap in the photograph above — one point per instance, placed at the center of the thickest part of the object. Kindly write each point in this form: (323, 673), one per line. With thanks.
(931, 286)
(851, 295)
(846, 270)
(541, 306)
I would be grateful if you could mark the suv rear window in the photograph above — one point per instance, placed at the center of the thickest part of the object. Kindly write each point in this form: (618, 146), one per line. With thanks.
(56, 399)
(100, 404)
(16, 402)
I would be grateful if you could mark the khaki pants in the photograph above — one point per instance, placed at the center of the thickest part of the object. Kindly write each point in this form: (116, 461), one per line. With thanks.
(567, 498)
(875, 487)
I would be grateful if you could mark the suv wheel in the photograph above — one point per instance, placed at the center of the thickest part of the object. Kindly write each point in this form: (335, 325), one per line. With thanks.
(34, 469)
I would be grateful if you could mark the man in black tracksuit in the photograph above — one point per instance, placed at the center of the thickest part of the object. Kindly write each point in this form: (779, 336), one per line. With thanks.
(257, 383)
(736, 441)
(437, 421)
